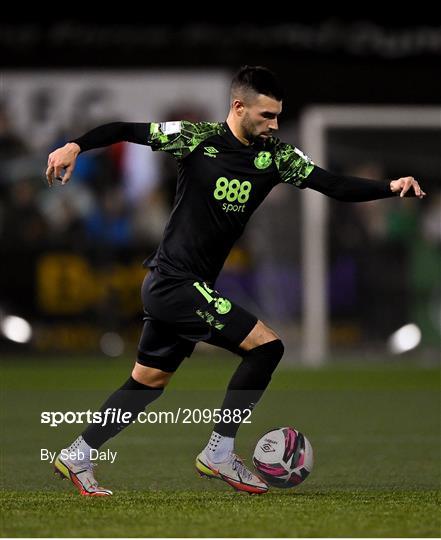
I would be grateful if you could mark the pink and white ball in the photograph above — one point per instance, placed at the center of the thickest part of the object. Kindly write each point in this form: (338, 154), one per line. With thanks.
(283, 457)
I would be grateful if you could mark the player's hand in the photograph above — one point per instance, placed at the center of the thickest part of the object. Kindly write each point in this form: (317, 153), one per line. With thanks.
(62, 159)
(403, 185)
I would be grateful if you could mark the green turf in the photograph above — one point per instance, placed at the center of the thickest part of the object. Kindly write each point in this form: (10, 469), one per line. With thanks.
(198, 514)
(375, 432)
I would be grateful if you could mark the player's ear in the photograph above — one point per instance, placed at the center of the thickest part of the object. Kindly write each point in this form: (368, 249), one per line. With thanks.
(238, 106)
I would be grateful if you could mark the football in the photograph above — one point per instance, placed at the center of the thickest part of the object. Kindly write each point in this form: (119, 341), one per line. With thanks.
(283, 457)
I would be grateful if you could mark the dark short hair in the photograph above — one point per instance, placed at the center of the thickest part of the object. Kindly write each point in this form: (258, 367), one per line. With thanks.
(258, 79)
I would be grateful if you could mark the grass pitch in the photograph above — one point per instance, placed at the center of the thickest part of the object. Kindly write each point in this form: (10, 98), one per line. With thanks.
(375, 433)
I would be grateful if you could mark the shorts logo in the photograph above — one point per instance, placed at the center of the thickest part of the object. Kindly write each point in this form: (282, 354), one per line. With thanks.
(263, 160)
(210, 319)
(222, 305)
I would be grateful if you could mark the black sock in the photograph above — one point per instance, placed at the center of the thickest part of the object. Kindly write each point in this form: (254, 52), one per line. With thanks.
(132, 397)
(247, 385)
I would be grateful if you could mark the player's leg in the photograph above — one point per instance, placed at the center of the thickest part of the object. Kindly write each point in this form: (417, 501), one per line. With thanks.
(160, 353)
(199, 313)
(237, 330)
(75, 462)
(259, 335)
(145, 385)
(261, 351)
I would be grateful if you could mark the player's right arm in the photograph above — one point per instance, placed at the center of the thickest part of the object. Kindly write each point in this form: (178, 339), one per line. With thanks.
(61, 162)
(178, 138)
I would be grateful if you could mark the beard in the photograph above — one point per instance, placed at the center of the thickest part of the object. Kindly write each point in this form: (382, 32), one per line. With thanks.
(250, 130)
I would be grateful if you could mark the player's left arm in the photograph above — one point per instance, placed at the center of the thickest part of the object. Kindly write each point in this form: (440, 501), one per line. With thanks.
(298, 169)
(354, 189)
(407, 185)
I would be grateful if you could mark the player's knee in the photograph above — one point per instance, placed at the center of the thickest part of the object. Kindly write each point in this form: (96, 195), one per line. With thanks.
(268, 355)
(259, 335)
(153, 377)
(275, 350)
(277, 347)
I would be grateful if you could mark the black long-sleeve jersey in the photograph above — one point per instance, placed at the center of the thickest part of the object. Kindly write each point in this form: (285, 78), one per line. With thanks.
(221, 181)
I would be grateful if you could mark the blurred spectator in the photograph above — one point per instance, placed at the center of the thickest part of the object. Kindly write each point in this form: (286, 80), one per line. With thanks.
(11, 145)
(369, 260)
(139, 171)
(65, 209)
(109, 224)
(425, 275)
(273, 240)
(24, 226)
(431, 221)
(149, 219)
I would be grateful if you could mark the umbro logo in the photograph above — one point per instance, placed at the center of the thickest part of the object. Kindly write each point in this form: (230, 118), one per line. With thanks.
(210, 151)
(267, 448)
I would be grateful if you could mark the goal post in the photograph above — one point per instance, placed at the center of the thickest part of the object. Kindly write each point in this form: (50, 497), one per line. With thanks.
(314, 124)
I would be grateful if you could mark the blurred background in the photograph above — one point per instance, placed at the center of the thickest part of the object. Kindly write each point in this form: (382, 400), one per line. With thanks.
(336, 280)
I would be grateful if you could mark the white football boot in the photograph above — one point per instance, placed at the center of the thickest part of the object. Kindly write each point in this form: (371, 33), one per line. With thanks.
(233, 472)
(81, 475)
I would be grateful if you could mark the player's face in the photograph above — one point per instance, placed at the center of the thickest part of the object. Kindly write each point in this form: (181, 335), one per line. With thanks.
(259, 118)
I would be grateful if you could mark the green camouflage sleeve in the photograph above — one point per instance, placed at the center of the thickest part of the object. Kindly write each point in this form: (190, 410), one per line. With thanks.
(182, 137)
(293, 165)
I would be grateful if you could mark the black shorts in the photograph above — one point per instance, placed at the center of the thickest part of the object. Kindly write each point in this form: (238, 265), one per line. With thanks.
(181, 312)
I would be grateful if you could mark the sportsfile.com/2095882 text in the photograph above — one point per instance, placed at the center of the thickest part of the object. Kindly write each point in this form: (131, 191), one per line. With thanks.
(113, 415)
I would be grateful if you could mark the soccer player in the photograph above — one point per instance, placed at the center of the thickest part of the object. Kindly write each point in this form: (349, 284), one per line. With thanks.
(225, 170)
